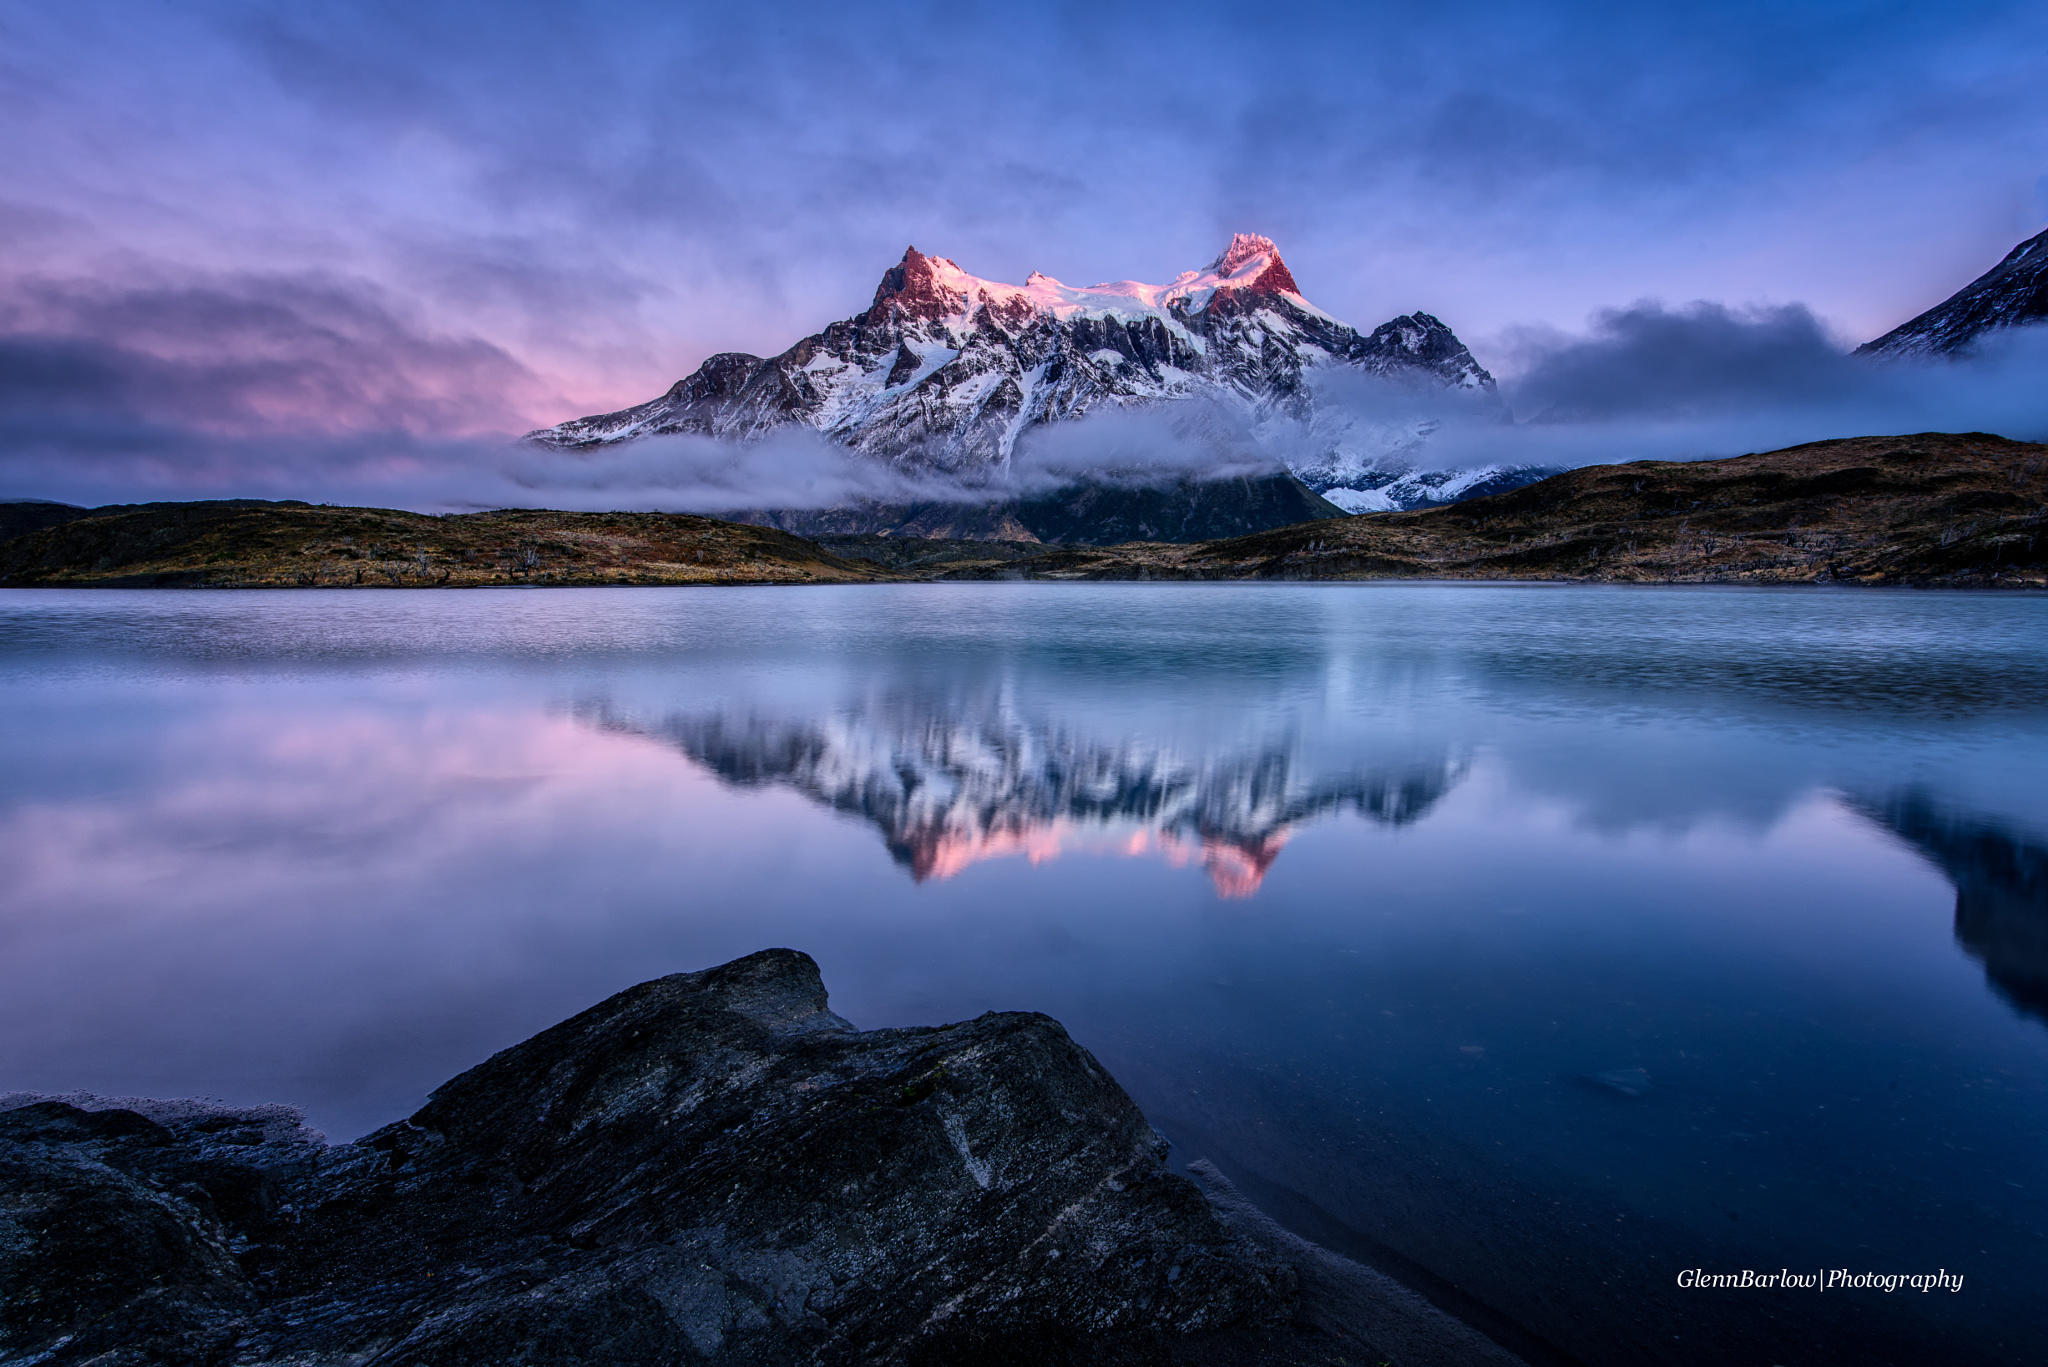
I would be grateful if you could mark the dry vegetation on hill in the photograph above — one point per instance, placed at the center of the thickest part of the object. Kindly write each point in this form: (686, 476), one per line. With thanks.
(1933, 509)
(1965, 511)
(286, 545)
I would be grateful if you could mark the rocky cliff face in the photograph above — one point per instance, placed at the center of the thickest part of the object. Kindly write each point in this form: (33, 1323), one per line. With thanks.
(707, 1168)
(2010, 294)
(947, 371)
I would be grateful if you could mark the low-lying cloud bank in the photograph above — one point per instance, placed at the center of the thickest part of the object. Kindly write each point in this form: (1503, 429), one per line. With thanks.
(315, 389)
(1650, 382)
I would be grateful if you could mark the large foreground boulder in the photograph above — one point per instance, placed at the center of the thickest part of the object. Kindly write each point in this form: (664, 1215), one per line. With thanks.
(709, 1167)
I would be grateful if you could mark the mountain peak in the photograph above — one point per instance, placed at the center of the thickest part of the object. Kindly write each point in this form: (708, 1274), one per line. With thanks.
(1243, 247)
(914, 285)
(948, 371)
(1253, 262)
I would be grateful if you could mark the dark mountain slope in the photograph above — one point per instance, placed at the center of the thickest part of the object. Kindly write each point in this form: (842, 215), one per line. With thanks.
(1093, 514)
(2011, 294)
(30, 515)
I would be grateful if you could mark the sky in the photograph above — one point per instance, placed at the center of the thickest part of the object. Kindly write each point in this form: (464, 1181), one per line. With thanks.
(374, 234)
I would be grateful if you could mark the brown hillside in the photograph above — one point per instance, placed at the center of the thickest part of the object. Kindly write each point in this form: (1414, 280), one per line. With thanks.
(1932, 509)
(281, 545)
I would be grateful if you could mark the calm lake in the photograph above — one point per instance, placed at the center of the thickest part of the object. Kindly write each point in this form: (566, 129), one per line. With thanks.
(1535, 944)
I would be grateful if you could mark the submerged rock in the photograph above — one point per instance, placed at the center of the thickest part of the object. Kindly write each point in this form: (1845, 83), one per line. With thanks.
(709, 1167)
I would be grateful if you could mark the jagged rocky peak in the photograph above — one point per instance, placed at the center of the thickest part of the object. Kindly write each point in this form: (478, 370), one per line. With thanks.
(932, 288)
(919, 286)
(1428, 339)
(1252, 262)
(1243, 249)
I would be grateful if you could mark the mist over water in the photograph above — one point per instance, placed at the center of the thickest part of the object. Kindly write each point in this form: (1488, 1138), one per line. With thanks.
(1470, 929)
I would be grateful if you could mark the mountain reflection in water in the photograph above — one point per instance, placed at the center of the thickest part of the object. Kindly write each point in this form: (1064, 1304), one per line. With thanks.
(2001, 883)
(951, 782)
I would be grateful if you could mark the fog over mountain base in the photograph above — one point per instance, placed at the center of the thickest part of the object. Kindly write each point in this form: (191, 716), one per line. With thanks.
(92, 422)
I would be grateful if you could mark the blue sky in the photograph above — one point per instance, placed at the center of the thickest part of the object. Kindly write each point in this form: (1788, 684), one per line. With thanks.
(453, 218)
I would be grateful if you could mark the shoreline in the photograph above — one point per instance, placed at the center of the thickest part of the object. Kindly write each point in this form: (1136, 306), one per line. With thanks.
(1397, 581)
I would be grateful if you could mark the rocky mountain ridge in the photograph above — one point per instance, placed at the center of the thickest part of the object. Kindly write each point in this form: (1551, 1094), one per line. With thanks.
(947, 371)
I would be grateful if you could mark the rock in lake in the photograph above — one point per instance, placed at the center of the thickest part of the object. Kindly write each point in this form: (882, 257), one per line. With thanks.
(709, 1167)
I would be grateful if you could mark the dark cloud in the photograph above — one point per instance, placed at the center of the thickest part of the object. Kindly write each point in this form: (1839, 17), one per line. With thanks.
(1705, 380)
(241, 356)
(1650, 360)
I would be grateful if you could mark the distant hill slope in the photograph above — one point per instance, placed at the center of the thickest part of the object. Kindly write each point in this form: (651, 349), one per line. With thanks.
(1932, 509)
(2012, 293)
(280, 545)
(1095, 514)
(31, 515)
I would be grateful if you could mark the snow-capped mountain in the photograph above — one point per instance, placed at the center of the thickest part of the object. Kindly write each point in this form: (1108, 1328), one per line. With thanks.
(2013, 292)
(946, 371)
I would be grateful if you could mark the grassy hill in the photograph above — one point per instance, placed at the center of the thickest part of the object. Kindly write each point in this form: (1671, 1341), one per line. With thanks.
(283, 545)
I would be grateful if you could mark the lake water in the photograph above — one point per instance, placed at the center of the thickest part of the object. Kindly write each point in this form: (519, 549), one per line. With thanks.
(1534, 943)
